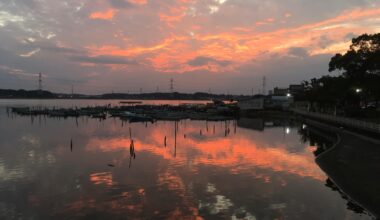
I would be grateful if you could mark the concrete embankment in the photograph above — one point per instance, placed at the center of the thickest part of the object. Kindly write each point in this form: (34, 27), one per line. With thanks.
(353, 164)
(358, 126)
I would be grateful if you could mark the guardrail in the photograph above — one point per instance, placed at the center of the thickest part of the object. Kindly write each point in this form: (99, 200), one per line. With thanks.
(368, 126)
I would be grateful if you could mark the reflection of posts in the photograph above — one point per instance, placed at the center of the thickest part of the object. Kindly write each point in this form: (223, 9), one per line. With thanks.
(132, 153)
(131, 148)
(175, 137)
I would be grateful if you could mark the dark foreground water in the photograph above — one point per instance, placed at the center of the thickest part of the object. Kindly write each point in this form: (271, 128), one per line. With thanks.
(250, 172)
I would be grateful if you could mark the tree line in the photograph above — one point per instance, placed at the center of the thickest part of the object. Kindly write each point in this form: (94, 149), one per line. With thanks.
(356, 88)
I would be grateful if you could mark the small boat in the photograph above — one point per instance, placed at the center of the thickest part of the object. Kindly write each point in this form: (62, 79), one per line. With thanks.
(130, 102)
(133, 117)
(101, 115)
(57, 113)
(127, 114)
(269, 123)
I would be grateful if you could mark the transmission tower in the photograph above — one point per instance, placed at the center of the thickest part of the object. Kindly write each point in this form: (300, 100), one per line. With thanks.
(264, 85)
(40, 82)
(171, 85)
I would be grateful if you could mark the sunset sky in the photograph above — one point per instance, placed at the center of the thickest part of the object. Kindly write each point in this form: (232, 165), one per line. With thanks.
(225, 46)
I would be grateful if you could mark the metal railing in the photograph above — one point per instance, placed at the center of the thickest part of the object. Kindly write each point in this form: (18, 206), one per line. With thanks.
(369, 126)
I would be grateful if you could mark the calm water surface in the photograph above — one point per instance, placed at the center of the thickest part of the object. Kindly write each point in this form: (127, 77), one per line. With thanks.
(201, 173)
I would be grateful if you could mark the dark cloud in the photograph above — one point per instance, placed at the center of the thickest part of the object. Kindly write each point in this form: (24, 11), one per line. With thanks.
(120, 3)
(103, 60)
(325, 41)
(202, 60)
(349, 36)
(298, 52)
(54, 48)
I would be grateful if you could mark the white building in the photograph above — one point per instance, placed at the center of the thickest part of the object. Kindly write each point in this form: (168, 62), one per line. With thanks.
(256, 103)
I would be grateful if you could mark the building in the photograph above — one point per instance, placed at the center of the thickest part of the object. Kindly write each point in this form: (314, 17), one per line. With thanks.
(280, 91)
(296, 89)
(280, 102)
(255, 103)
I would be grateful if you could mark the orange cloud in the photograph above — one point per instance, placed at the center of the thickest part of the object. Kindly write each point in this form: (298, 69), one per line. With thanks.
(139, 2)
(240, 45)
(105, 15)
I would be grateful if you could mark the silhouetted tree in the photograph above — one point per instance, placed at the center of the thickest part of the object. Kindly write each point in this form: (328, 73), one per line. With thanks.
(361, 65)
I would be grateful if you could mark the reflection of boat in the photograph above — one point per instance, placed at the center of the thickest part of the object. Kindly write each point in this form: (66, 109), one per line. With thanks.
(133, 117)
(140, 118)
(251, 123)
(219, 118)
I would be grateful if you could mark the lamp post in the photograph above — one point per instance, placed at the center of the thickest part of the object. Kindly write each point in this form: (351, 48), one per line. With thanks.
(359, 91)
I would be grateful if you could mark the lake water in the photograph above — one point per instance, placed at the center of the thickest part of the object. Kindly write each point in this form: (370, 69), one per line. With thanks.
(83, 169)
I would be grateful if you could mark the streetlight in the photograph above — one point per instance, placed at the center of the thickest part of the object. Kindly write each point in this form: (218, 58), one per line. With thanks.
(358, 90)
(288, 95)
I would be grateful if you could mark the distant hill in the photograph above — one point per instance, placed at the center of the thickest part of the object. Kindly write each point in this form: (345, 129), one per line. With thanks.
(32, 94)
(13, 94)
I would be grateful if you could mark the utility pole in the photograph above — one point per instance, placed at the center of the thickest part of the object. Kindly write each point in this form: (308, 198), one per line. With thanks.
(171, 85)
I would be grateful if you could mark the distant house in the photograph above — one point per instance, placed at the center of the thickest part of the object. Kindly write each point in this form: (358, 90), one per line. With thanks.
(296, 89)
(280, 102)
(254, 103)
(280, 91)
